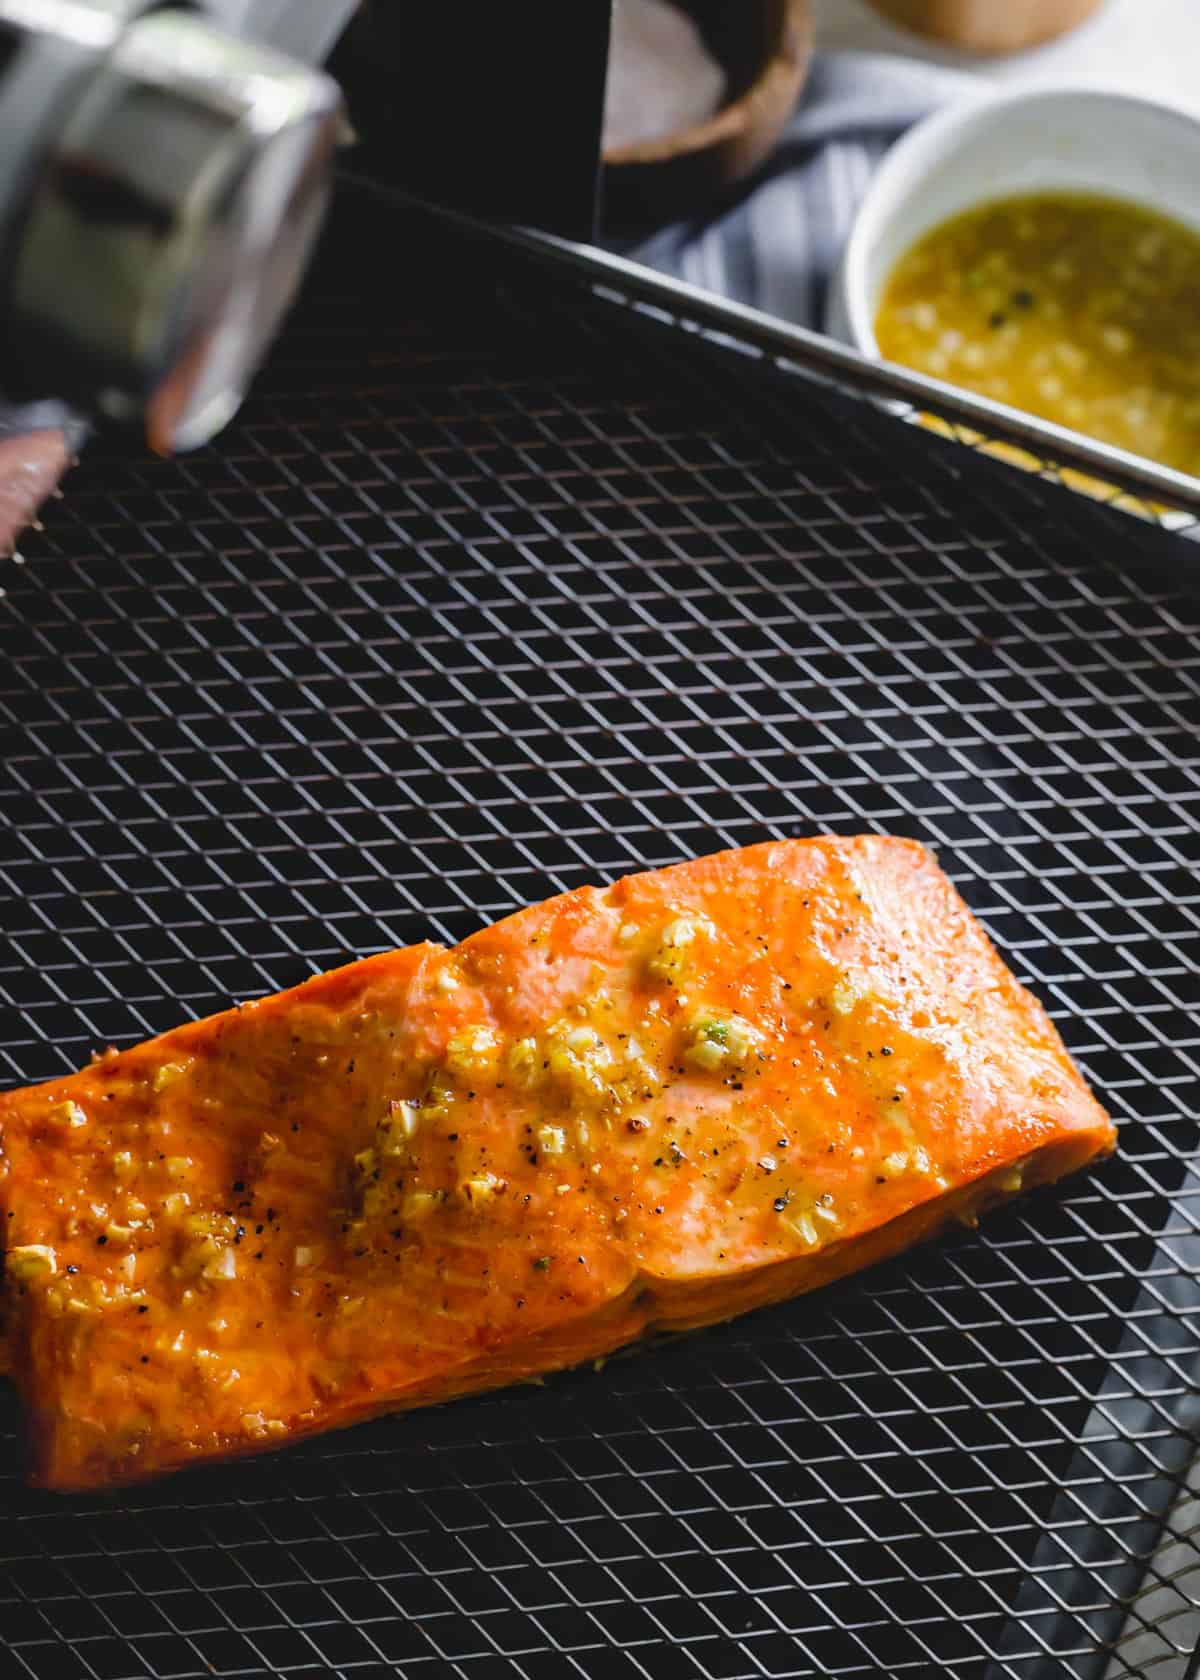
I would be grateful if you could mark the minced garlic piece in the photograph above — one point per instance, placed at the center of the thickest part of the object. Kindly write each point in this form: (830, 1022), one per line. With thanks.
(168, 1073)
(579, 1056)
(399, 1127)
(177, 1203)
(892, 1166)
(707, 1053)
(670, 959)
(123, 1164)
(573, 1054)
(481, 1189)
(1012, 1180)
(69, 1114)
(845, 995)
(720, 1041)
(804, 1228)
(177, 1166)
(437, 1101)
(552, 1140)
(30, 1261)
(523, 1058)
(221, 1267)
(468, 1051)
(305, 1254)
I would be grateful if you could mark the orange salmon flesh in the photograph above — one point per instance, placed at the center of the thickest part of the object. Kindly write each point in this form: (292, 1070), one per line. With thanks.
(643, 1107)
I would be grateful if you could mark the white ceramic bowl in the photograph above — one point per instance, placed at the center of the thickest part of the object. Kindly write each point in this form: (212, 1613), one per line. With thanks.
(1076, 137)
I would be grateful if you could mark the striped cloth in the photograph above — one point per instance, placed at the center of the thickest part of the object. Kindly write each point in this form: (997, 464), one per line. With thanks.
(777, 245)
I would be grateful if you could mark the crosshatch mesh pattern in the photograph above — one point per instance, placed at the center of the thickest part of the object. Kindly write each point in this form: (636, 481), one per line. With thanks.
(491, 591)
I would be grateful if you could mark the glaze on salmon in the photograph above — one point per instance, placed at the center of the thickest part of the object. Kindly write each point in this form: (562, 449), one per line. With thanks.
(436, 1171)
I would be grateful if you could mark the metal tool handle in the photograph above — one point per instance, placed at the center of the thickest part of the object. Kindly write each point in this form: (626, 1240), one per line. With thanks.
(170, 180)
(304, 29)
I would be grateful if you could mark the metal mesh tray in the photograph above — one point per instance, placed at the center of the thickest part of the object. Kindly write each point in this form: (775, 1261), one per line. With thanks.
(492, 590)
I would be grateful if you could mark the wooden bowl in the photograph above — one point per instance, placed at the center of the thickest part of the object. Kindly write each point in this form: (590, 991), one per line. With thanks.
(758, 49)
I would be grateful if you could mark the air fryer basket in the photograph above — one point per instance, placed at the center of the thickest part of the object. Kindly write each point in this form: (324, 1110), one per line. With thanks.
(494, 589)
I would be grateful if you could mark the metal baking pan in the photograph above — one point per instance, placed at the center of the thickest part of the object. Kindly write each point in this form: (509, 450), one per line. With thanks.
(497, 586)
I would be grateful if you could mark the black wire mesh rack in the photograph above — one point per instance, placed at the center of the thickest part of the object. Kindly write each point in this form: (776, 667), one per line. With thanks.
(493, 589)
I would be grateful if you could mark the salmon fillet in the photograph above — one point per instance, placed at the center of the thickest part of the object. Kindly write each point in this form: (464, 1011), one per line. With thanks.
(436, 1171)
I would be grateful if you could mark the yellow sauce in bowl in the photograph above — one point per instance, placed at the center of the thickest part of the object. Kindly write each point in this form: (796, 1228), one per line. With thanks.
(1082, 309)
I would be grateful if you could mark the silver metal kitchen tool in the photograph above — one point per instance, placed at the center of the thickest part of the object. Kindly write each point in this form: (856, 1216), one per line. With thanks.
(161, 181)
